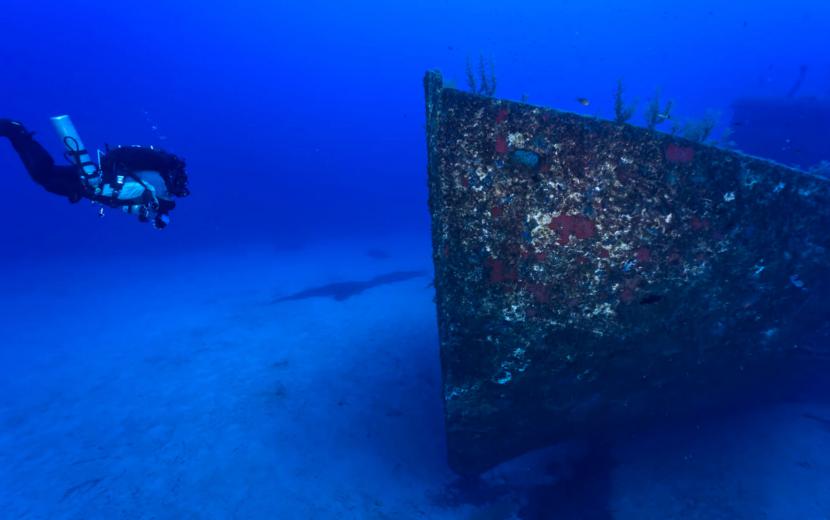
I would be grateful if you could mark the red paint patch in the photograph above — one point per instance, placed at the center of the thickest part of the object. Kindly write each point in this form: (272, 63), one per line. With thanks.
(541, 257)
(674, 257)
(698, 224)
(680, 154)
(540, 292)
(603, 253)
(629, 289)
(643, 255)
(501, 145)
(633, 283)
(496, 211)
(499, 272)
(501, 116)
(513, 250)
(572, 225)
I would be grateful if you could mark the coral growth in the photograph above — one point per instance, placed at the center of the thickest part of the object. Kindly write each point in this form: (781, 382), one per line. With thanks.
(654, 114)
(699, 130)
(486, 82)
(622, 112)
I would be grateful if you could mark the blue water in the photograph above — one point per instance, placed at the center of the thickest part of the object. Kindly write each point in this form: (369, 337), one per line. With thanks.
(146, 375)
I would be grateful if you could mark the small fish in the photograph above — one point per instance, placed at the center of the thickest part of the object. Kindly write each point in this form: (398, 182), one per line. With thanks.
(583, 101)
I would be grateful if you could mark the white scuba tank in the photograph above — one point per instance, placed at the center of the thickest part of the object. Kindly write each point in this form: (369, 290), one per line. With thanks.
(73, 144)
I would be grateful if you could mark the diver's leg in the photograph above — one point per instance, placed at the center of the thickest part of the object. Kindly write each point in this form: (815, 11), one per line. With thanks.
(60, 180)
(35, 158)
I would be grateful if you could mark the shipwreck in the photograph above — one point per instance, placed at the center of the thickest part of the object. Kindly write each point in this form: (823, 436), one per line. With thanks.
(591, 274)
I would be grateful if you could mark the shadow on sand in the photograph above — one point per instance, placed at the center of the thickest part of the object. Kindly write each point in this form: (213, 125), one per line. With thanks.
(342, 291)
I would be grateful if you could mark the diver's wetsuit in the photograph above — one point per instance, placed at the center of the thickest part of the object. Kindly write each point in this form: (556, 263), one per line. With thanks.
(60, 180)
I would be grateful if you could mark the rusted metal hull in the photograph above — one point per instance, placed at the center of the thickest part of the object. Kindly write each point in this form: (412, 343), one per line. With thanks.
(591, 274)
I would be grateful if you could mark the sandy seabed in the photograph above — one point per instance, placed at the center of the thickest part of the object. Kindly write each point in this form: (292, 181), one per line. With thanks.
(173, 387)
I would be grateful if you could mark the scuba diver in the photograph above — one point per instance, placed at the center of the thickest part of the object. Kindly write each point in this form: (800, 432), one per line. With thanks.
(140, 180)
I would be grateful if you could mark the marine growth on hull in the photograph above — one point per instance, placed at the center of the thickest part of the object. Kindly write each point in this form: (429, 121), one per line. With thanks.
(590, 273)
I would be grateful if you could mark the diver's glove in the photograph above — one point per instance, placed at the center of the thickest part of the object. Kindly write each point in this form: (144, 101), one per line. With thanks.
(161, 221)
(149, 214)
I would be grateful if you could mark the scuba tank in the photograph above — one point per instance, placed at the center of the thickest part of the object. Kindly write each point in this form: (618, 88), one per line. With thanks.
(75, 151)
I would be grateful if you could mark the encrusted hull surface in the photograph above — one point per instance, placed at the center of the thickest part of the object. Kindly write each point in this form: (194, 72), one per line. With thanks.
(591, 274)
